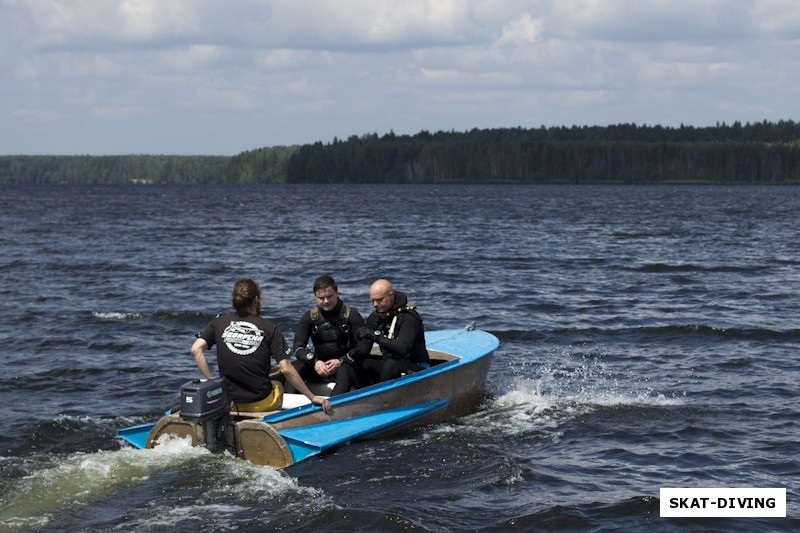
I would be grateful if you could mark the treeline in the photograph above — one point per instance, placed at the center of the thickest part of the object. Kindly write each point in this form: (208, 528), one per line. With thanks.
(86, 169)
(763, 152)
(753, 153)
(264, 165)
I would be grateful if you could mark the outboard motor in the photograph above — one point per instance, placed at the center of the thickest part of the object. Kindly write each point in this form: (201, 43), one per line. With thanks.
(204, 401)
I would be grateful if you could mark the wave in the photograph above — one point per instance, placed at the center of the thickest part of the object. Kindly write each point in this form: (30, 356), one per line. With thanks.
(690, 267)
(122, 316)
(692, 330)
(625, 514)
(38, 497)
(540, 407)
(513, 335)
(241, 485)
(77, 479)
(116, 316)
(704, 330)
(574, 389)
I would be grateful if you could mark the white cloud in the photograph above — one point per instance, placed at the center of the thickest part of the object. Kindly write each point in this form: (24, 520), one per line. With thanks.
(524, 29)
(780, 18)
(623, 20)
(282, 72)
(192, 57)
(298, 24)
(281, 59)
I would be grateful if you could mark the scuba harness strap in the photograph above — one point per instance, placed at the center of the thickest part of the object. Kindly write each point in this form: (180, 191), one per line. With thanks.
(330, 335)
(404, 309)
(345, 314)
(393, 313)
(317, 320)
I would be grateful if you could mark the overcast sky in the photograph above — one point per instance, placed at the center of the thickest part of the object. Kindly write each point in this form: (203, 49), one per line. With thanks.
(223, 76)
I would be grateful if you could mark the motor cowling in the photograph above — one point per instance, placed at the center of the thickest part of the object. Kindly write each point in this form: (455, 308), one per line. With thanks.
(204, 401)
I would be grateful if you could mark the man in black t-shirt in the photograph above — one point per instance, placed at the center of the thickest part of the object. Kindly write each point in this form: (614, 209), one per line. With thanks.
(246, 343)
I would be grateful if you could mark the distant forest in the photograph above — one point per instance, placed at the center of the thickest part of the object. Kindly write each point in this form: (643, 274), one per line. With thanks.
(758, 153)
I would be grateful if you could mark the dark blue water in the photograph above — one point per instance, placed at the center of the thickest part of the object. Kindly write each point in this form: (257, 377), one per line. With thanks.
(649, 338)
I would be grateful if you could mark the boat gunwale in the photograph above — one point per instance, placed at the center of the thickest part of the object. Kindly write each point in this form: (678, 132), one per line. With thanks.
(380, 388)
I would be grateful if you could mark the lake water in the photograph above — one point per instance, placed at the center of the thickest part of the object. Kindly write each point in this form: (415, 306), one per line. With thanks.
(649, 338)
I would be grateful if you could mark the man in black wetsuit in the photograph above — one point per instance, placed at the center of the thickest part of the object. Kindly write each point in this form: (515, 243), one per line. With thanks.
(397, 329)
(331, 326)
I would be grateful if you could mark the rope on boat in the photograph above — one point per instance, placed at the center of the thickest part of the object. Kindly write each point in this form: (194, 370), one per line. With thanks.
(469, 327)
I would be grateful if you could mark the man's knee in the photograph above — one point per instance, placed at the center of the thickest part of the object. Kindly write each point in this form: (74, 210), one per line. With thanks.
(391, 369)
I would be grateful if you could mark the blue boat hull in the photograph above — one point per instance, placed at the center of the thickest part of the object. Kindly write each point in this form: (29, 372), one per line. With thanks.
(452, 387)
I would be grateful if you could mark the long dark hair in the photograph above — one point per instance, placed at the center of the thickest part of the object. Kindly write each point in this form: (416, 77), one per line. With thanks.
(246, 294)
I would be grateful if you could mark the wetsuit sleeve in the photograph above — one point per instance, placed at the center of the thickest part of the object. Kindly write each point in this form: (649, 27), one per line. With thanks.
(302, 332)
(407, 328)
(361, 347)
(372, 322)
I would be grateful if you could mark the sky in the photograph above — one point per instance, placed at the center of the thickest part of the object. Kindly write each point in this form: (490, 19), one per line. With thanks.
(219, 77)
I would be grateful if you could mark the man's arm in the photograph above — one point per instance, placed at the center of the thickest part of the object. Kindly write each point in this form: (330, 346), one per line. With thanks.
(361, 347)
(199, 353)
(302, 332)
(297, 382)
(406, 330)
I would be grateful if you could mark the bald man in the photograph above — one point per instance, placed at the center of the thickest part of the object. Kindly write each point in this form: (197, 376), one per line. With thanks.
(397, 329)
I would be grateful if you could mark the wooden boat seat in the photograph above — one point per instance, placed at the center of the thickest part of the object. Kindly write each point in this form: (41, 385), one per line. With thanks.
(290, 400)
